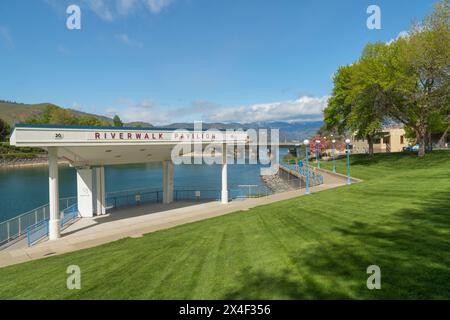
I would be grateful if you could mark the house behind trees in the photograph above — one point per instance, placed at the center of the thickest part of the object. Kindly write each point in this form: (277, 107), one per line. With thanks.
(390, 139)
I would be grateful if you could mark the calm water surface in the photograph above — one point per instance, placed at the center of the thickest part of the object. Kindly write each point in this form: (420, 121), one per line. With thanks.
(23, 189)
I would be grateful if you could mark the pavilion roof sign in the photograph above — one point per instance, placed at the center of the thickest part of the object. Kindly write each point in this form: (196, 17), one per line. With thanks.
(52, 135)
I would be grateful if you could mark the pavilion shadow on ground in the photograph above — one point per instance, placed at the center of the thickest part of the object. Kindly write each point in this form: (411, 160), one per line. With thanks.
(130, 212)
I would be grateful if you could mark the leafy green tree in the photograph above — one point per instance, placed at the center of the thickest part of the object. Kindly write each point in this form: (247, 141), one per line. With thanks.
(117, 122)
(445, 121)
(367, 115)
(336, 114)
(5, 130)
(354, 104)
(406, 81)
(418, 69)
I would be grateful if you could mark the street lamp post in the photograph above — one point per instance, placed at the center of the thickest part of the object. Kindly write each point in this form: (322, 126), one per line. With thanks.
(318, 153)
(347, 142)
(333, 147)
(306, 142)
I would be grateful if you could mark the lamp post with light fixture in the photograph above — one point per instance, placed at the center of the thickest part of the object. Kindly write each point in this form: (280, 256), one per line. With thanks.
(333, 148)
(347, 143)
(317, 153)
(306, 143)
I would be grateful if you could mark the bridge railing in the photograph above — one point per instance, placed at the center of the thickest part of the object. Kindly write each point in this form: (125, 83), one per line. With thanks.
(315, 178)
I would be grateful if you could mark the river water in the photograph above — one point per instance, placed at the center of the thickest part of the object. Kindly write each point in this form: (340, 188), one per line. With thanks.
(23, 189)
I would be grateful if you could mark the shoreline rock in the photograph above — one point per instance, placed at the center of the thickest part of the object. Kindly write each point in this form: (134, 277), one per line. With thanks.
(277, 184)
(28, 163)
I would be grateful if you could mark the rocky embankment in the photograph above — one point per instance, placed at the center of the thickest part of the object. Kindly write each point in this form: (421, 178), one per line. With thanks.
(25, 162)
(277, 183)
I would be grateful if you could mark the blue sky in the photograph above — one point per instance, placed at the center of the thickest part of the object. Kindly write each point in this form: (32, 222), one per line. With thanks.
(166, 61)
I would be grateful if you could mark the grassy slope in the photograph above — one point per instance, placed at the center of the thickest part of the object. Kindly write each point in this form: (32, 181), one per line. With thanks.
(15, 113)
(310, 247)
(18, 112)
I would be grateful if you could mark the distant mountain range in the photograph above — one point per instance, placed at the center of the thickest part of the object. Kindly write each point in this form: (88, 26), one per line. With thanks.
(14, 113)
(289, 131)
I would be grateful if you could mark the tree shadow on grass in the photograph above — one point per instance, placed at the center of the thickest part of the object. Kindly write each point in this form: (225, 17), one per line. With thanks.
(412, 249)
(259, 284)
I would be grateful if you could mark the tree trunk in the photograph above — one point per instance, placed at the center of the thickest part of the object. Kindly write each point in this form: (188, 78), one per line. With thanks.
(421, 135)
(370, 142)
(430, 142)
(443, 138)
(421, 138)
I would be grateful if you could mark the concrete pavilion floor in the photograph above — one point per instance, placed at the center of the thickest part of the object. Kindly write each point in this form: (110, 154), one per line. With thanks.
(139, 220)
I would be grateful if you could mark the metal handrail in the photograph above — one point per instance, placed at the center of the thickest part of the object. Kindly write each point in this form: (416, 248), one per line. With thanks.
(41, 229)
(138, 196)
(316, 177)
(38, 208)
(34, 229)
(15, 228)
(129, 195)
(69, 214)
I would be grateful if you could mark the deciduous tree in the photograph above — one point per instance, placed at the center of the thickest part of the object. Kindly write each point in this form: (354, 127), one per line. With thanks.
(4, 130)
(117, 122)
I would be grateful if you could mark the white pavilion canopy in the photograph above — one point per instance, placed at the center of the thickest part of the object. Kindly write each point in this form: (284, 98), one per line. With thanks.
(89, 149)
(97, 146)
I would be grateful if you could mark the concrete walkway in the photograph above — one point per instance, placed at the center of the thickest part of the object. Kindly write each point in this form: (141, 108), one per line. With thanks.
(136, 221)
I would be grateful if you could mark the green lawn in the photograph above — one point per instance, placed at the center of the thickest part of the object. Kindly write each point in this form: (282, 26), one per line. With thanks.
(310, 247)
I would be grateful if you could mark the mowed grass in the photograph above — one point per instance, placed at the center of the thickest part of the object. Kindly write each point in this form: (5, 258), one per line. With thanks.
(315, 247)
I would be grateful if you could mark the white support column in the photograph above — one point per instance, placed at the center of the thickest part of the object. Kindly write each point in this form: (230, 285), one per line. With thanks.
(84, 193)
(100, 191)
(53, 187)
(224, 175)
(167, 182)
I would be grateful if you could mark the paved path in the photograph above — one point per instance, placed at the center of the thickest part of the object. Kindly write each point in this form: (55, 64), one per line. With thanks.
(136, 221)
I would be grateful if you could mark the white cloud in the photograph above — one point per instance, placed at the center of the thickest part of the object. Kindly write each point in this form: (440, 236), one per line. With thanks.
(101, 8)
(124, 7)
(5, 38)
(402, 34)
(76, 106)
(111, 111)
(146, 111)
(305, 108)
(156, 6)
(125, 39)
(110, 10)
